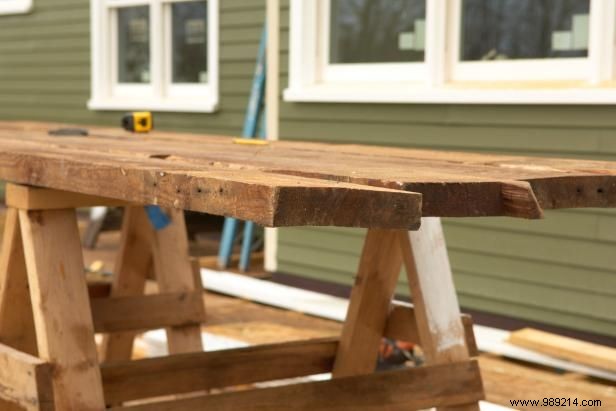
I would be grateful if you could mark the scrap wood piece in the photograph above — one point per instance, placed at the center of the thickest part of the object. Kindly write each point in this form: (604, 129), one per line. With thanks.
(267, 199)
(570, 349)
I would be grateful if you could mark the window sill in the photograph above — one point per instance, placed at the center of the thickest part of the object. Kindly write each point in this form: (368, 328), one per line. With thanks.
(205, 105)
(401, 93)
(15, 6)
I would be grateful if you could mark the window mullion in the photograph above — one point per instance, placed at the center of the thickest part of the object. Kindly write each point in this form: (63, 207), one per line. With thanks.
(602, 40)
(157, 48)
(436, 42)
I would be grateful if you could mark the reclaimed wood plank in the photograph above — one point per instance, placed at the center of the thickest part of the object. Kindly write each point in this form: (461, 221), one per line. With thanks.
(25, 381)
(185, 373)
(37, 198)
(402, 390)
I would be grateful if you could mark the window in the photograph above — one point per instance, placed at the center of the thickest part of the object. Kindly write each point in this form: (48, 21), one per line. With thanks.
(157, 55)
(15, 6)
(453, 51)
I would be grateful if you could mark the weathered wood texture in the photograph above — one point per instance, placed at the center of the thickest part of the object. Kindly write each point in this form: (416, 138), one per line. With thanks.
(157, 174)
(292, 183)
(408, 389)
(25, 380)
(184, 373)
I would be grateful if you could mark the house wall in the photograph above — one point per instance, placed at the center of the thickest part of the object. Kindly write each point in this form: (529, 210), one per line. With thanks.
(561, 270)
(45, 67)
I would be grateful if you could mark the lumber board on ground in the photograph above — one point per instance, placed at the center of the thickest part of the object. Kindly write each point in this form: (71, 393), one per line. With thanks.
(184, 373)
(452, 184)
(25, 380)
(407, 389)
(570, 349)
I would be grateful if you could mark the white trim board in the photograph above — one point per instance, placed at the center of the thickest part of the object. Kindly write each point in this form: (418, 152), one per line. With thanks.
(488, 339)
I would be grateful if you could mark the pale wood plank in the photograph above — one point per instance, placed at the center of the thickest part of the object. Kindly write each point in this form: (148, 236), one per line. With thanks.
(37, 198)
(147, 312)
(25, 381)
(16, 320)
(62, 313)
(436, 304)
(403, 390)
(375, 283)
(134, 261)
(185, 373)
(570, 349)
(175, 273)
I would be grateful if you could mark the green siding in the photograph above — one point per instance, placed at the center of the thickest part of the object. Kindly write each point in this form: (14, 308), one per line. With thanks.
(45, 67)
(561, 270)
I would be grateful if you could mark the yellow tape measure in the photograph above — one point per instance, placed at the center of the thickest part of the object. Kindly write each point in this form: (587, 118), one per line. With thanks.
(138, 122)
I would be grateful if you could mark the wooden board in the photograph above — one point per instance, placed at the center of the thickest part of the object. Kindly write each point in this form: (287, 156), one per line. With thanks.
(270, 199)
(61, 308)
(279, 176)
(25, 380)
(403, 390)
(570, 349)
(194, 372)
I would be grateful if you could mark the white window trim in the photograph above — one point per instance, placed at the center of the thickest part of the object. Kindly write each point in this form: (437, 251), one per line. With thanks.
(160, 94)
(15, 6)
(589, 80)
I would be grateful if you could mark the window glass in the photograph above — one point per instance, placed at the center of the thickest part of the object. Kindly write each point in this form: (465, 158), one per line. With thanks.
(134, 44)
(524, 29)
(189, 43)
(377, 31)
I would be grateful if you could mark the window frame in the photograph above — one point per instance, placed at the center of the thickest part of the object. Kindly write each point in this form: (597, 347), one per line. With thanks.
(15, 7)
(589, 80)
(161, 94)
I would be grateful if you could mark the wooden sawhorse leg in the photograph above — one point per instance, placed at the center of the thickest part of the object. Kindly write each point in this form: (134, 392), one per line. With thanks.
(166, 252)
(59, 305)
(437, 314)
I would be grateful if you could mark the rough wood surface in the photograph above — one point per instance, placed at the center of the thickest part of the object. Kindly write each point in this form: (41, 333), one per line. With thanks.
(35, 198)
(593, 355)
(194, 372)
(403, 390)
(452, 184)
(133, 262)
(25, 380)
(375, 284)
(147, 312)
(61, 308)
(116, 168)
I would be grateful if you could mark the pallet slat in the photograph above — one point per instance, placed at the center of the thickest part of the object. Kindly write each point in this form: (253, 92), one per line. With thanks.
(25, 380)
(403, 390)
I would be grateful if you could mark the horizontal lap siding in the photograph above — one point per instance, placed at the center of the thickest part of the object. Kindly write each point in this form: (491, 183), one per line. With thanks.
(45, 67)
(561, 270)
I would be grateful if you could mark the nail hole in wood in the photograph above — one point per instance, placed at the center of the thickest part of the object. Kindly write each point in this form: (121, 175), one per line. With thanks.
(600, 190)
(198, 190)
(579, 190)
(160, 156)
(220, 190)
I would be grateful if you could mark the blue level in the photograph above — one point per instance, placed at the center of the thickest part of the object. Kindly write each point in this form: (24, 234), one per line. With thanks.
(254, 117)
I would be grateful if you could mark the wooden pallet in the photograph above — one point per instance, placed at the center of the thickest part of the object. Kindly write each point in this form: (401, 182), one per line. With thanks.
(48, 321)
